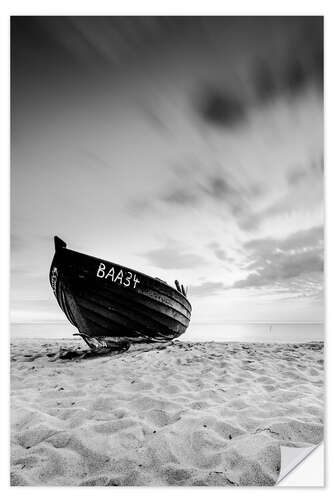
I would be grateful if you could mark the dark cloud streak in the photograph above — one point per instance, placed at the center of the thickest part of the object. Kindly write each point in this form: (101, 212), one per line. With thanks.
(221, 109)
(295, 175)
(292, 266)
(272, 261)
(197, 189)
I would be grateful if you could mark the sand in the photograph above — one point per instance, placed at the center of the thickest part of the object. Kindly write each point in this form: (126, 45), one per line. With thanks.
(189, 414)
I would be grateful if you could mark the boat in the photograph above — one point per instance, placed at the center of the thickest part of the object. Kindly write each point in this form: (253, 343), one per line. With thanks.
(113, 306)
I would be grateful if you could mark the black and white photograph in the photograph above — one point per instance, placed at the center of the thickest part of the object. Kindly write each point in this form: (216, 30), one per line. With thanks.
(167, 249)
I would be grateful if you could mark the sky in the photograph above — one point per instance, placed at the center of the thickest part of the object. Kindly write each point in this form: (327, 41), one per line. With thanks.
(186, 148)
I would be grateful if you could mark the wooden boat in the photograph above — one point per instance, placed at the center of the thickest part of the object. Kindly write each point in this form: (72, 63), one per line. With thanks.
(112, 305)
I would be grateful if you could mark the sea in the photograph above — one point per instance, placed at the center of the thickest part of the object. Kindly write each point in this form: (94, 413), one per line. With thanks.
(198, 332)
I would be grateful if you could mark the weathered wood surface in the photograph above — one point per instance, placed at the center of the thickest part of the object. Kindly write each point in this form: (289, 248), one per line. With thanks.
(103, 299)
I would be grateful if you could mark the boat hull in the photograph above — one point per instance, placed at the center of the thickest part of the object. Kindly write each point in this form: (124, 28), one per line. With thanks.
(104, 299)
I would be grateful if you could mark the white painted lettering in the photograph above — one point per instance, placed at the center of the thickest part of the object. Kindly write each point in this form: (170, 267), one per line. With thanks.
(100, 271)
(125, 278)
(111, 274)
(127, 281)
(119, 277)
(135, 281)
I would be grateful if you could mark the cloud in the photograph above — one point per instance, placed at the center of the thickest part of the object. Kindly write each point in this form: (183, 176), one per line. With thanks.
(305, 191)
(195, 188)
(252, 220)
(264, 82)
(35, 310)
(173, 256)
(16, 242)
(219, 188)
(299, 64)
(290, 267)
(296, 175)
(274, 262)
(90, 39)
(23, 272)
(312, 237)
(96, 161)
(219, 252)
(206, 289)
(221, 108)
(181, 196)
(200, 189)
(295, 76)
(282, 267)
(296, 64)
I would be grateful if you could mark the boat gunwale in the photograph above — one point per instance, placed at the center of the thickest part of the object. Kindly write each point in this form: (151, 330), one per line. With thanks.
(156, 280)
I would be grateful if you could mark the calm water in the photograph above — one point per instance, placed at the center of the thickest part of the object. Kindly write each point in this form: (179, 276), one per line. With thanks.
(276, 332)
(260, 332)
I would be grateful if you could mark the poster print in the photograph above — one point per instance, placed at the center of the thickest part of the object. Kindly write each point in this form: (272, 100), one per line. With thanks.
(178, 162)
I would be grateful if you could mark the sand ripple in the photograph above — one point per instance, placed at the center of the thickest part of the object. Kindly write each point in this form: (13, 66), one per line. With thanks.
(189, 414)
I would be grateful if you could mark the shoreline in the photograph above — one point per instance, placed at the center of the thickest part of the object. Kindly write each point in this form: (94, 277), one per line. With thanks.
(199, 333)
(175, 341)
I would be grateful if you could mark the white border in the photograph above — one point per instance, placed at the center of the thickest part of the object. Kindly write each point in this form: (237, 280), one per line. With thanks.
(138, 7)
(170, 7)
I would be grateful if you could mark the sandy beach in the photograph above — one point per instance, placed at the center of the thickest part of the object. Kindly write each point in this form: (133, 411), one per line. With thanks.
(185, 414)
